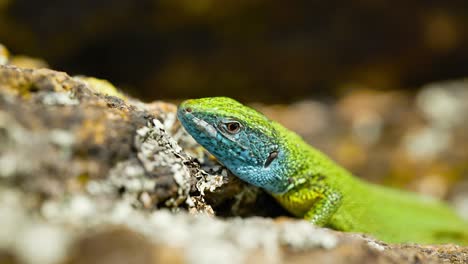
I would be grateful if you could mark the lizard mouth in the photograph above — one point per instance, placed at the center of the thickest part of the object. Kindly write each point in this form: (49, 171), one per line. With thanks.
(205, 127)
(193, 124)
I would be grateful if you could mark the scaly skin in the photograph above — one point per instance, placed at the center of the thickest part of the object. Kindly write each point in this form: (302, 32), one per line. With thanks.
(310, 185)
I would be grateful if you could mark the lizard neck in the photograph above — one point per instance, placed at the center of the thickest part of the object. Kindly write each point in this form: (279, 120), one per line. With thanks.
(276, 176)
(302, 163)
(293, 166)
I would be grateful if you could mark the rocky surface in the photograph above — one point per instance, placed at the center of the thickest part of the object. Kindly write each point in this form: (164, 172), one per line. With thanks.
(90, 175)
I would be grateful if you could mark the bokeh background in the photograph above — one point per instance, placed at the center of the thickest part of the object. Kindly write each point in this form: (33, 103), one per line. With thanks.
(253, 50)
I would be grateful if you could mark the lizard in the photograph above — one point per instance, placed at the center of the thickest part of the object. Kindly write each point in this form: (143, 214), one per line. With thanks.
(309, 184)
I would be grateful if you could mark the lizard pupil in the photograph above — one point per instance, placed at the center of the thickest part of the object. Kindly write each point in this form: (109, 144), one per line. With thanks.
(233, 127)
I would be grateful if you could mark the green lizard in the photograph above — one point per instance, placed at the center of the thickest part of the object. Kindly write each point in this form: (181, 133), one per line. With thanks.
(309, 184)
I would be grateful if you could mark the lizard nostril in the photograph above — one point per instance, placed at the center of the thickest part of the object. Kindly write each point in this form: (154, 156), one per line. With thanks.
(188, 110)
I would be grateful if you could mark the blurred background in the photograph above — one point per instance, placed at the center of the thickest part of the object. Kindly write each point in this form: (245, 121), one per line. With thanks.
(377, 85)
(253, 50)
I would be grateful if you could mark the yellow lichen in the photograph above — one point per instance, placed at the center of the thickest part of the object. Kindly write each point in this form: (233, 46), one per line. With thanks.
(101, 86)
(27, 62)
(93, 130)
(4, 54)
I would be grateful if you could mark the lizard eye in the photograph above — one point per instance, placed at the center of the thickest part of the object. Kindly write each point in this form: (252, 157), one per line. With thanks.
(233, 127)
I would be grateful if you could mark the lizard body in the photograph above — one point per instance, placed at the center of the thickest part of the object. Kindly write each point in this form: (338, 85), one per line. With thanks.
(309, 184)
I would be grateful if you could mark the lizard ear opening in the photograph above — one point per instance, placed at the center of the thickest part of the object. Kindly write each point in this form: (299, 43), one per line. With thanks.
(273, 155)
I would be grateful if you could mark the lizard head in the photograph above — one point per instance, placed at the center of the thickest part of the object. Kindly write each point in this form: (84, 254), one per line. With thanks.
(242, 139)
